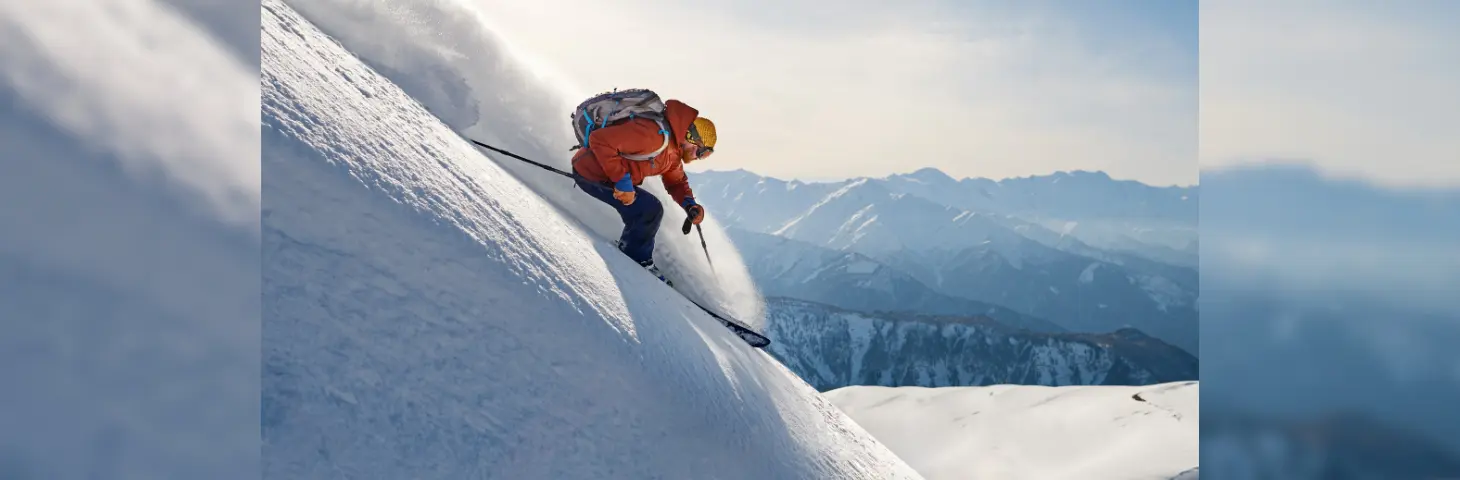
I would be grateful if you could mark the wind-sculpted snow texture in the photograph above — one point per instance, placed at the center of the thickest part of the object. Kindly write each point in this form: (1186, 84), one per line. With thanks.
(833, 348)
(428, 315)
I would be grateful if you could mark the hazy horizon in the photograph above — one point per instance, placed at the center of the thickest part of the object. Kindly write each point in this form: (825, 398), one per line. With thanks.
(987, 89)
(700, 168)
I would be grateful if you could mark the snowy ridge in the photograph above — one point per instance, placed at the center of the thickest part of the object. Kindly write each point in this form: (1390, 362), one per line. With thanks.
(833, 348)
(1018, 432)
(768, 205)
(428, 314)
(865, 216)
(848, 200)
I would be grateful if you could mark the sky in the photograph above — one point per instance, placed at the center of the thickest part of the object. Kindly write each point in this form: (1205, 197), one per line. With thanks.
(820, 90)
(1361, 90)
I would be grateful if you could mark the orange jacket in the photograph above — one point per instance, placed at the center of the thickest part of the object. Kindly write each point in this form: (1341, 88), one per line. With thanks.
(601, 162)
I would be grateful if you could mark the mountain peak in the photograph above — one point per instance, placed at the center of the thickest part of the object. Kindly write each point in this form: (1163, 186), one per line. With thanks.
(1076, 174)
(1130, 333)
(1098, 174)
(927, 175)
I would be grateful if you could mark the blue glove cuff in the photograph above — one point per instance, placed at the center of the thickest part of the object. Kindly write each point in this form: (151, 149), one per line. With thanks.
(625, 184)
(688, 202)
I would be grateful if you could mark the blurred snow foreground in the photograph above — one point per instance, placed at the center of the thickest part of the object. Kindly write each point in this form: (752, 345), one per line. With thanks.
(428, 313)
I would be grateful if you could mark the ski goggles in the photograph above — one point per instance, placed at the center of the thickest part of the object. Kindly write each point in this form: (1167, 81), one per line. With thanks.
(701, 151)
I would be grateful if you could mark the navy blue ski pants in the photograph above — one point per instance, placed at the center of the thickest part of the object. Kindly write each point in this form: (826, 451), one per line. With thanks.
(641, 218)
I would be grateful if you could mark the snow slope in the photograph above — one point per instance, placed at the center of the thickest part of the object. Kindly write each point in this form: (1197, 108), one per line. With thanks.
(1032, 432)
(129, 245)
(428, 314)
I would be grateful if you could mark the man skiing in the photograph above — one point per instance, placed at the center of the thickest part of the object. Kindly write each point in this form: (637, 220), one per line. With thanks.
(615, 158)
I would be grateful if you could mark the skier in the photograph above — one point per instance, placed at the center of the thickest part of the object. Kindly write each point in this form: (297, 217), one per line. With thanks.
(602, 171)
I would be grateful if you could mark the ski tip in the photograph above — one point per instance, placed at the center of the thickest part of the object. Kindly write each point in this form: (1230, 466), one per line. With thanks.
(750, 337)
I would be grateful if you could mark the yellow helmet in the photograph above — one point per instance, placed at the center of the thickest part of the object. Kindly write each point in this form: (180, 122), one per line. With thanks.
(703, 130)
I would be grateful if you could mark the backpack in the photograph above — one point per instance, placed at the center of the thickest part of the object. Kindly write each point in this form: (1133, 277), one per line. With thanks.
(618, 106)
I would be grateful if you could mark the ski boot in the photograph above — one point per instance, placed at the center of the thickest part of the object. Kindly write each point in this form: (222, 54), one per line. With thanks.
(649, 265)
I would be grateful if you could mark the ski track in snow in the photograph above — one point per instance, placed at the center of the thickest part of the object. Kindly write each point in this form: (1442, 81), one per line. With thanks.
(428, 314)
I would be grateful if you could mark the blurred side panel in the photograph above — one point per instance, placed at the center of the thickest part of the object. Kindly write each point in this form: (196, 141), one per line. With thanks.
(129, 249)
(1330, 224)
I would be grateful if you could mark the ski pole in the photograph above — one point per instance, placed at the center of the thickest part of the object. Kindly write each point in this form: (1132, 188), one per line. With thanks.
(685, 230)
(687, 221)
(519, 157)
(706, 249)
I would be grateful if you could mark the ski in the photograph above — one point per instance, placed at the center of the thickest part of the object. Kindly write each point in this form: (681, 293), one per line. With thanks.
(751, 337)
(745, 333)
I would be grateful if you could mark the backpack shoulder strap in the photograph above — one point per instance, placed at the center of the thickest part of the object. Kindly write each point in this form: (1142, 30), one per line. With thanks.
(663, 130)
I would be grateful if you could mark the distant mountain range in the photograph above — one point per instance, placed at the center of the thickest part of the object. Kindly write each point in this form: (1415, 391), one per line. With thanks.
(831, 348)
(851, 280)
(1120, 216)
(924, 242)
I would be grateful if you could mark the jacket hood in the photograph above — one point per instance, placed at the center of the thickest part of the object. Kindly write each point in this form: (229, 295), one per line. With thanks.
(680, 116)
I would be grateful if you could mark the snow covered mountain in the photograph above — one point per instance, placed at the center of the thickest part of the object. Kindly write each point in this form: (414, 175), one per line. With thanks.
(755, 203)
(1124, 216)
(791, 268)
(1020, 432)
(990, 258)
(428, 312)
(1111, 214)
(833, 348)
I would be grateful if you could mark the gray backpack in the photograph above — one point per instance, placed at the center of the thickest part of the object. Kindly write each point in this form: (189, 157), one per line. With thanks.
(617, 106)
